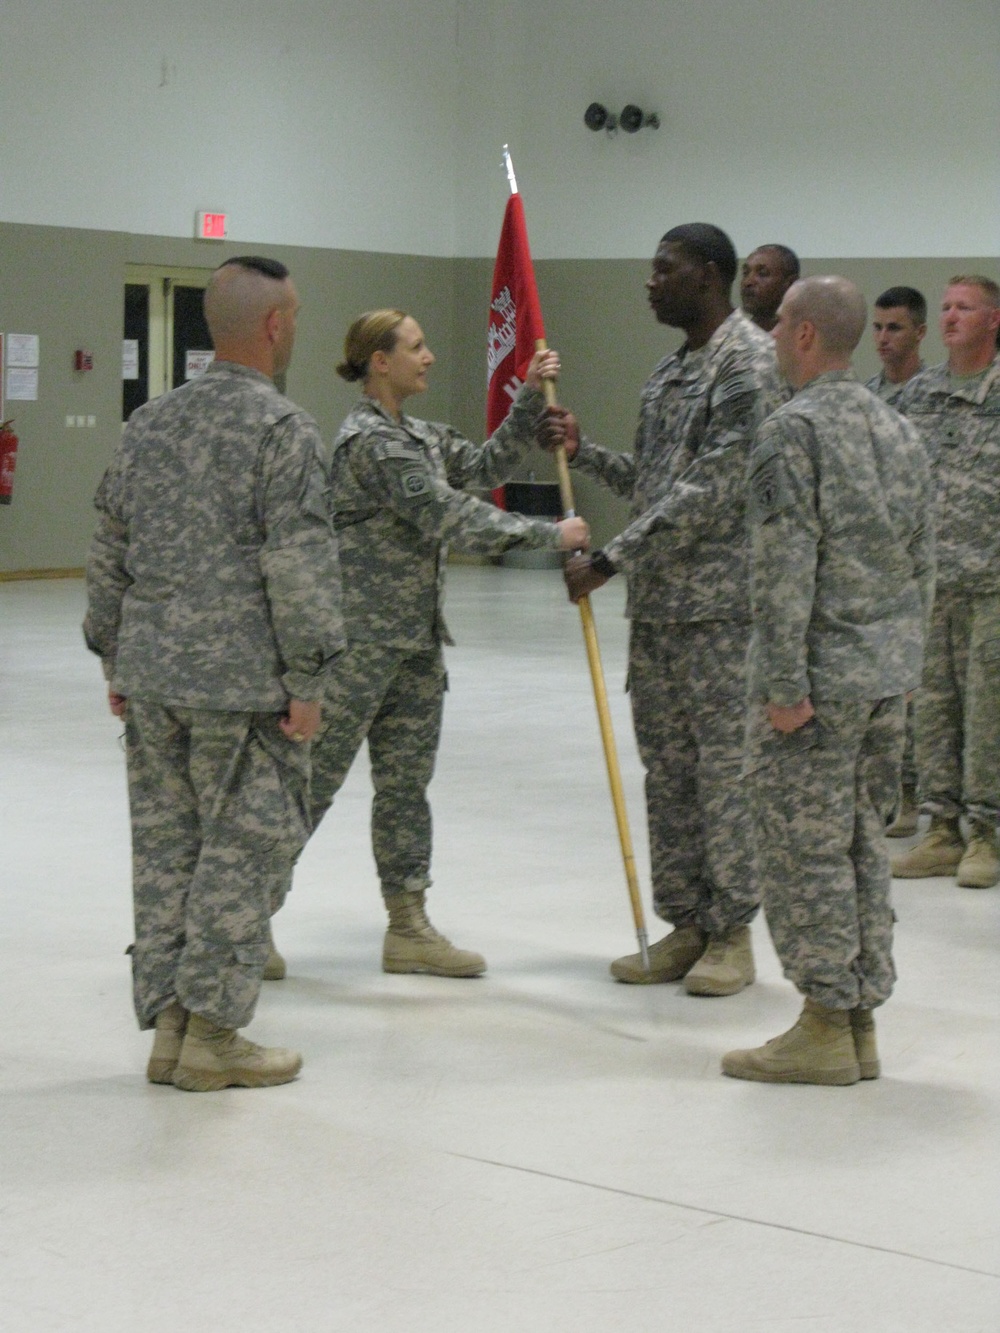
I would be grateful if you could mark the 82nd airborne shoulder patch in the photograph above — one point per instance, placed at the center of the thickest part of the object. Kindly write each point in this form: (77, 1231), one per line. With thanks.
(415, 483)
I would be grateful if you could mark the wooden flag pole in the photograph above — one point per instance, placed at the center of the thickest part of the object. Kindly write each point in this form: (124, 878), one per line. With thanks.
(601, 700)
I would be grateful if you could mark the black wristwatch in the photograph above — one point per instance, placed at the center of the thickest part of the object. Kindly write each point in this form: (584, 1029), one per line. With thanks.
(600, 564)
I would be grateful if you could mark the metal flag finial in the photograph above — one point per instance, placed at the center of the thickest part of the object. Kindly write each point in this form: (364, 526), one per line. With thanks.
(509, 166)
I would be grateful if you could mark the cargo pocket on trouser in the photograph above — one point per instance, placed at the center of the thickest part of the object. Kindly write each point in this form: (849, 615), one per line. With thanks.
(256, 825)
(981, 778)
(803, 808)
(779, 775)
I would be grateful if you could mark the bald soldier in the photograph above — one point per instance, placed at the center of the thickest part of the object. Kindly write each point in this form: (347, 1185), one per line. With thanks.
(841, 525)
(213, 593)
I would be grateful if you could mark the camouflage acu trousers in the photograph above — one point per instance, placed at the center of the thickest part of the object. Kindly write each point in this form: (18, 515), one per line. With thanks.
(958, 709)
(394, 700)
(688, 687)
(218, 806)
(909, 778)
(820, 800)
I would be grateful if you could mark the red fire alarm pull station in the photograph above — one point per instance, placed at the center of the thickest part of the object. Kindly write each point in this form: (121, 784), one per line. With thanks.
(211, 227)
(83, 360)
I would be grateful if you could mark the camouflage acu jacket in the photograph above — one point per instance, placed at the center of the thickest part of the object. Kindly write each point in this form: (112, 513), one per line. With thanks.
(398, 494)
(212, 579)
(685, 551)
(842, 533)
(960, 427)
(885, 389)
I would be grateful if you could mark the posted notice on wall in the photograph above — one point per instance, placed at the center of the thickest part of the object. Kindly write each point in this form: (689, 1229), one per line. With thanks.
(196, 363)
(22, 384)
(130, 359)
(22, 349)
(21, 354)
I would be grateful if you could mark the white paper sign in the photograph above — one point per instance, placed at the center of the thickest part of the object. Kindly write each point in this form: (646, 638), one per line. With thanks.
(196, 363)
(22, 349)
(22, 384)
(130, 359)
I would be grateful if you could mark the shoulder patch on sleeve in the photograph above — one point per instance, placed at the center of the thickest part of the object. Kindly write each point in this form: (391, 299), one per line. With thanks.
(769, 492)
(415, 483)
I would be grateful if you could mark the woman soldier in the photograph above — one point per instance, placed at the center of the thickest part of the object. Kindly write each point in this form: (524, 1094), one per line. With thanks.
(400, 497)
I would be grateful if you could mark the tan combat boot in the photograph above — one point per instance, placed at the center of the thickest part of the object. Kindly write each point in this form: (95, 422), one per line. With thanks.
(669, 959)
(863, 1031)
(979, 868)
(905, 823)
(213, 1058)
(275, 968)
(818, 1049)
(168, 1037)
(938, 852)
(725, 967)
(413, 945)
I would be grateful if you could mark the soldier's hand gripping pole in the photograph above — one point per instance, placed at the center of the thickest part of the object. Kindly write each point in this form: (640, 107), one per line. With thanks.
(601, 700)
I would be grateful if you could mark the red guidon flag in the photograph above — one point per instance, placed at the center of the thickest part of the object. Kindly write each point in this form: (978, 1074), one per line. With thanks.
(515, 320)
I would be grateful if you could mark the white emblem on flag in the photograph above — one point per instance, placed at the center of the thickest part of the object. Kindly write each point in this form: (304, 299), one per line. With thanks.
(501, 337)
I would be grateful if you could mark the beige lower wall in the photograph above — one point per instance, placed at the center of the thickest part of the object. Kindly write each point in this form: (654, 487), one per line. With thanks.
(597, 316)
(66, 286)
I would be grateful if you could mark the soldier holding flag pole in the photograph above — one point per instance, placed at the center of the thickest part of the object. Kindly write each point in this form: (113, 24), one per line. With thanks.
(685, 556)
(516, 332)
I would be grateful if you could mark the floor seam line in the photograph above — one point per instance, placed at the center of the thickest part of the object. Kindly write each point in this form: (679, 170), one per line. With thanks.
(719, 1213)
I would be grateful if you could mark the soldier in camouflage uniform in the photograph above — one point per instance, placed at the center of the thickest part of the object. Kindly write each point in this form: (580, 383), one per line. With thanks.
(685, 557)
(841, 521)
(767, 274)
(214, 604)
(956, 408)
(899, 323)
(399, 490)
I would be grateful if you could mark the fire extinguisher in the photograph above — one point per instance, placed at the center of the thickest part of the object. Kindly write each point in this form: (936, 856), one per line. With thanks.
(8, 457)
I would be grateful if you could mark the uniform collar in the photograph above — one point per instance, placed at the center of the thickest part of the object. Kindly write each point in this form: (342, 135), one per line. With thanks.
(830, 377)
(412, 425)
(976, 390)
(217, 367)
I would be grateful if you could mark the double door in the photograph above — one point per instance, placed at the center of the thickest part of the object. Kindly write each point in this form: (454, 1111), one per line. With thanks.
(166, 338)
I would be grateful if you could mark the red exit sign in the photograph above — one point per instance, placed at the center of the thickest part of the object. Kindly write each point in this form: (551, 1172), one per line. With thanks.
(211, 227)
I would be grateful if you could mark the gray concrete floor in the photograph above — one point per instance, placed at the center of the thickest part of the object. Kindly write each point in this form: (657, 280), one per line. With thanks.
(539, 1150)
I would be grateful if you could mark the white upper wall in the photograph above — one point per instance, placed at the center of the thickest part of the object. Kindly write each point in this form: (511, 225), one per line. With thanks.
(329, 123)
(847, 130)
